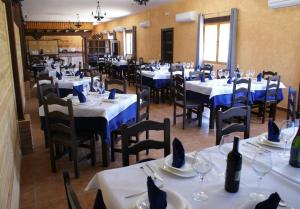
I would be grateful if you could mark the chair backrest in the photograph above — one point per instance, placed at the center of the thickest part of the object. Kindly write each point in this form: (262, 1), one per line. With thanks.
(266, 74)
(73, 201)
(241, 92)
(179, 88)
(272, 89)
(140, 127)
(119, 85)
(195, 75)
(207, 69)
(61, 120)
(291, 106)
(143, 103)
(298, 106)
(138, 77)
(234, 112)
(45, 89)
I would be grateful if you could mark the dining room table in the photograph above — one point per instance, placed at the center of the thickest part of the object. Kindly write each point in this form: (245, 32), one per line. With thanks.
(217, 92)
(99, 115)
(126, 187)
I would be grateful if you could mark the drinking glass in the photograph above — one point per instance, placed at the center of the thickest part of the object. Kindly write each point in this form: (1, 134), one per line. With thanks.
(96, 84)
(224, 149)
(101, 88)
(226, 74)
(86, 88)
(220, 73)
(261, 164)
(252, 73)
(241, 73)
(288, 130)
(201, 165)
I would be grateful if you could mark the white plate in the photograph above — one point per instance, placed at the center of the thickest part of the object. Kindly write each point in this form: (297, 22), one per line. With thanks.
(263, 140)
(174, 200)
(186, 168)
(180, 174)
(113, 101)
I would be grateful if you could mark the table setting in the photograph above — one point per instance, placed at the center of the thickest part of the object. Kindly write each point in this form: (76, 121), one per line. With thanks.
(198, 179)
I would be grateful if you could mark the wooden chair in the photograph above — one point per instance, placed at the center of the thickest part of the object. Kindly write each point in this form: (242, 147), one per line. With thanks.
(266, 74)
(298, 106)
(142, 113)
(73, 201)
(45, 88)
(291, 106)
(207, 69)
(121, 84)
(138, 78)
(60, 129)
(241, 92)
(223, 128)
(131, 73)
(180, 100)
(269, 104)
(195, 75)
(143, 126)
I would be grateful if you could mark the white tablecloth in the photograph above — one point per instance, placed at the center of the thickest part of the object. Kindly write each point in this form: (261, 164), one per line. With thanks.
(163, 73)
(117, 183)
(219, 86)
(97, 105)
(119, 63)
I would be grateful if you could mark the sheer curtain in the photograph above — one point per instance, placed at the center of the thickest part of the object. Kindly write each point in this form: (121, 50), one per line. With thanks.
(231, 63)
(200, 36)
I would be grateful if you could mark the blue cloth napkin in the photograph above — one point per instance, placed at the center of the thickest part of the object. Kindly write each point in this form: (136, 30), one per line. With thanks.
(229, 80)
(81, 75)
(58, 75)
(209, 77)
(112, 94)
(271, 203)
(238, 75)
(178, 154)
(259, 77)
(81, 97)
(78, 73)
(157, 198)
(273, 132)
(202, 78)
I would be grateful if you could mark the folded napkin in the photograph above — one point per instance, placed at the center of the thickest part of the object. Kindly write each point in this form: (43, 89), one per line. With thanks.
(81, 75)
(202, 78)
(259, 77)
(78, 73)
(229, 80)
(58, 75)
(273, 132)
(157, 198)
(270, 203)
(178, 154)
(81, 97)
(112, 94)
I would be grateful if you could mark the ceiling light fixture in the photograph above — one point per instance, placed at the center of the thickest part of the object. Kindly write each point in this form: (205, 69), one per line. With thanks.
(141, 2)
(98, 14)
(77, 24)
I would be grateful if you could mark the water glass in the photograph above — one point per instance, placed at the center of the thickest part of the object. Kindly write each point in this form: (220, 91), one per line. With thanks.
(213, 74)
(220, 73)
(226, 74)
(201, 165)
(288, 130)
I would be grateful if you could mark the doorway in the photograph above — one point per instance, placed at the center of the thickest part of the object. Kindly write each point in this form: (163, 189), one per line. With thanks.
(167, 41)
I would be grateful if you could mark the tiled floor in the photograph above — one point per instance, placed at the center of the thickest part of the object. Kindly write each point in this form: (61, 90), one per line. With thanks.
(42, 189)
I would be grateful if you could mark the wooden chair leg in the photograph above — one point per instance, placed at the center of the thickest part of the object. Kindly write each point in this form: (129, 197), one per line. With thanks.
(93, 151)
(174, 114)
(112, 147)
(75, 161)
(183, 118)
(52, 158)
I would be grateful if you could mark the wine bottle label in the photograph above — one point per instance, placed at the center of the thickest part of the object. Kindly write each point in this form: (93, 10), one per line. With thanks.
(237, 176)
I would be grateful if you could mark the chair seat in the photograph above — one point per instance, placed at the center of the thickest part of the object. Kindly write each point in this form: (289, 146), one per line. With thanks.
(189, 104)
(81, 137)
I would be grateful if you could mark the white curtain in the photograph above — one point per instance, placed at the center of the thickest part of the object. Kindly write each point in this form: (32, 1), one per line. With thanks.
(231, 63)
(200, 36)
(124, 42)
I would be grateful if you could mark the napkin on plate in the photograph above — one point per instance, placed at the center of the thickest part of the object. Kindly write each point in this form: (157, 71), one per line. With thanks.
(259, 77)
(229, 80)
(273, 132)
(81, 97)
(270, 203)
(112, 94)
(202, 78)
(157, 197)
(178, 154)
(58, 75)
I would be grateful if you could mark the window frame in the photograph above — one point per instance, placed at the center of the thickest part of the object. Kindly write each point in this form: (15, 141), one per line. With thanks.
(215, 21)
(125, 42)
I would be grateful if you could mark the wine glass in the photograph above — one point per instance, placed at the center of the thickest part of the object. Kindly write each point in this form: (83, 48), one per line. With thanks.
(85, 88)
(220, 73)
(288, 129)
(213, 74)
(252, 73)
(248, 74)
(224, 148)
(201, 165)
(101, 88)
(226, 74)
(241, 73)
(261, 164)
(96, 84)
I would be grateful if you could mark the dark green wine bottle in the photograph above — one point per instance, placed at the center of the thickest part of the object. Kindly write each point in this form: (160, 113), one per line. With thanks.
(295, 151)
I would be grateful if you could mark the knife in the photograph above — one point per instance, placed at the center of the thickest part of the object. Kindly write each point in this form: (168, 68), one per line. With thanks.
(155, 174)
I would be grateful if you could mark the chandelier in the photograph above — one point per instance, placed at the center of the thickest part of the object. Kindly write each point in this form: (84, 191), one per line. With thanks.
(77, 24)
(141, 2)
(98, 14)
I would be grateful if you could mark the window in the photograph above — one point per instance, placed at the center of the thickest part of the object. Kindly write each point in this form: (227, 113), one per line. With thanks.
(128, 43)
(216, 41)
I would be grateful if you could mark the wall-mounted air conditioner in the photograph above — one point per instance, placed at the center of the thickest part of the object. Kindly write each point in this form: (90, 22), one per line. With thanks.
(282, 3)
(119, 29)
(145, 24)
(186, 17)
